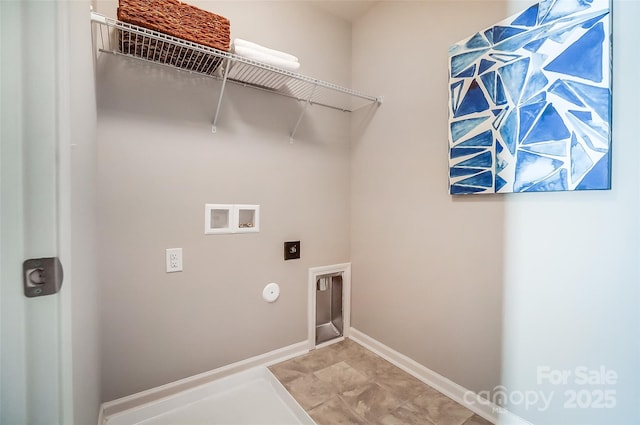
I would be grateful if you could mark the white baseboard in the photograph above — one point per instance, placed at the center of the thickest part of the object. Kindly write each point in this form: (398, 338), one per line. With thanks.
(465, 397)
(470, 400)
(276, 356)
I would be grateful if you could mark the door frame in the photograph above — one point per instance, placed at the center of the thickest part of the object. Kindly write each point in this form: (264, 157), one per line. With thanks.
(36, 384)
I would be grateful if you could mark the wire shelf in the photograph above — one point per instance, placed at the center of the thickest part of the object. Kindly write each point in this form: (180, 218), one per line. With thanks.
(121, 38)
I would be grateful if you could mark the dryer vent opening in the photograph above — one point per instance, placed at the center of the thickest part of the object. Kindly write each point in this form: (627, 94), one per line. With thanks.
(329, 312)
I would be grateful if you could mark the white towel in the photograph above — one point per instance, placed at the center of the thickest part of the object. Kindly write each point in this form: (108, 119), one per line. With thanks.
(266, 58)
(238, 42)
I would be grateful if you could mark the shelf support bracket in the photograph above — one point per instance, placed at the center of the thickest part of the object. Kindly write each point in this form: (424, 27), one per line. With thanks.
(306, 104)
(224, 84)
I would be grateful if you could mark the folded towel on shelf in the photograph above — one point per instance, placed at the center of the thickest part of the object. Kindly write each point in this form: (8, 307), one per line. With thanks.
(266, 58)
(238, 42)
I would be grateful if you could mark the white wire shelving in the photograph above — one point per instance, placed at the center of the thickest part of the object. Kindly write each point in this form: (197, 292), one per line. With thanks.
(121, 38)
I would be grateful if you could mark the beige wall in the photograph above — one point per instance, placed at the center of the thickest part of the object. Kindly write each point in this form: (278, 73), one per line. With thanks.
(427, 267)
(448, 308)
(450, 281)
(159, 163)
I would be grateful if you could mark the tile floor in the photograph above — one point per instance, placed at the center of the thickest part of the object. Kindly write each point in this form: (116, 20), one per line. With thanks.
(344, 383)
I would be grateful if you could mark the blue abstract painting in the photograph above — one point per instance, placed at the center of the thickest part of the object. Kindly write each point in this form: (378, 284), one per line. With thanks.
(530, 102)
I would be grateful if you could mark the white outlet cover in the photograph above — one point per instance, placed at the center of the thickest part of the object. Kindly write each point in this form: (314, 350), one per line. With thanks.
(271, 292)
(174, 260)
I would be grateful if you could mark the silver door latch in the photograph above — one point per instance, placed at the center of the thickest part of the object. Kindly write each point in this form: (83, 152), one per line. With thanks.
(42, 276)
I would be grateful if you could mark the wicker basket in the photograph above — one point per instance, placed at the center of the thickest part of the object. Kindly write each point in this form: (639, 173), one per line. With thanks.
(179, 20)
(157, 51)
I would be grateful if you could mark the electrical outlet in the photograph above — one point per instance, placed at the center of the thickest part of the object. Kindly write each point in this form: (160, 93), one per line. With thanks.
(174, 260)
(292, 250)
